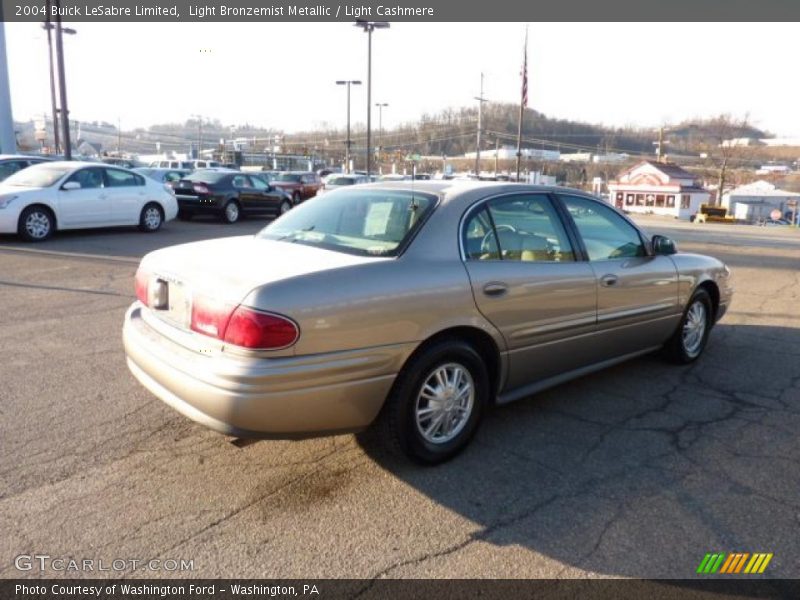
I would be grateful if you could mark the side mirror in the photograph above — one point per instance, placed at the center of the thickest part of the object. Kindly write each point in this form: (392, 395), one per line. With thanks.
(71, 185)
(662, 245)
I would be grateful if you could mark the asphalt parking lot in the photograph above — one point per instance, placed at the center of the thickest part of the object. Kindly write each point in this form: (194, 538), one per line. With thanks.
(637, 471)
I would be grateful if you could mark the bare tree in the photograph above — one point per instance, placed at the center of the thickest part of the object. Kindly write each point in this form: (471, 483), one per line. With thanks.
(724, 146)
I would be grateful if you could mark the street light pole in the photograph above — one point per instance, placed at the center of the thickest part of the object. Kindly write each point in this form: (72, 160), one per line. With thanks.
(381, 106)
(369, 27)
(348, 83)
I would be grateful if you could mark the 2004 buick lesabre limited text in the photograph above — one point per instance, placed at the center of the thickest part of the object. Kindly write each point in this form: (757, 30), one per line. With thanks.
(406, 310)
(102, 10)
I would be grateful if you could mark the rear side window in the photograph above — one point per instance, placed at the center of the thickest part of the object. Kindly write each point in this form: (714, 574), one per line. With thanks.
(117, 178)
(606, 235)
(523, 227)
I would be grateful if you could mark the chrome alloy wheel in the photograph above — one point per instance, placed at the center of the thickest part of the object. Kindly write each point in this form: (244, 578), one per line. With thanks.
(38, 225)
(232, 212)
(444, 403)
(152, 218)
(694, 328)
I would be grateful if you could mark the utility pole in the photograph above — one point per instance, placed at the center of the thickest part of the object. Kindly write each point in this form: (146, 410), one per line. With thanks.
(480, 100)
(496, 153)
(62, 82)
(48, 26)
(660, 145)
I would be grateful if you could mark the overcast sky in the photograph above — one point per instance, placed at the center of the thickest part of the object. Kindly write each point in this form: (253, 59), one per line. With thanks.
(282, 75)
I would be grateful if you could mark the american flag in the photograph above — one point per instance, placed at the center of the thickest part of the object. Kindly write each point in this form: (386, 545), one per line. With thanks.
(525, 71)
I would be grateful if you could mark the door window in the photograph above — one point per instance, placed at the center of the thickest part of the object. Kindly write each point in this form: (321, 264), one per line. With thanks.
(523, 227)
(606, 235)
(240, 181)
(88, 178)
(260, 184)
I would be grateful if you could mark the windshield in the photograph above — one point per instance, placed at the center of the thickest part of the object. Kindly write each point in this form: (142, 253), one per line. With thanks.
(38, 176)
(363, 222)
(288, 177)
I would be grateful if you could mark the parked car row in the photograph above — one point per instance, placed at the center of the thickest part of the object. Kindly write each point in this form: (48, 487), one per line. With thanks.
(38, 200)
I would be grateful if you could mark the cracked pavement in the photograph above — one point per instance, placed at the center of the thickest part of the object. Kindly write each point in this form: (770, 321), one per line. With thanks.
(636, 471)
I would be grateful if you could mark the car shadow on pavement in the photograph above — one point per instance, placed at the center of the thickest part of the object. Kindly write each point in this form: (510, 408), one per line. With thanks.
(639, 470)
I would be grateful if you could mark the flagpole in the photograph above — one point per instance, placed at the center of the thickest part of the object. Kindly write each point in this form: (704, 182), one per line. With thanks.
(522, 102)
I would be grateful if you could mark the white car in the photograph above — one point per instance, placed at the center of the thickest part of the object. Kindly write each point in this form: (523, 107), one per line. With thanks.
(75, 195)
(336, 181)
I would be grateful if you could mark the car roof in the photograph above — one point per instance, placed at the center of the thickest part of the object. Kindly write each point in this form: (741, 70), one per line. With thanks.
(23, 157)
(451, 189)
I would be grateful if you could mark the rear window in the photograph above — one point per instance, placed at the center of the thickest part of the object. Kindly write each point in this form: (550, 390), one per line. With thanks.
(362, 222)
(341, 181)
(288, 177)
(207, 176)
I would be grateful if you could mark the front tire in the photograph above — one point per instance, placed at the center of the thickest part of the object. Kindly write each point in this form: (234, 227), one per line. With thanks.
(151, 218)
(436, 403)
(36, 224)
(231, 212)
(285, 207)
(690, 338)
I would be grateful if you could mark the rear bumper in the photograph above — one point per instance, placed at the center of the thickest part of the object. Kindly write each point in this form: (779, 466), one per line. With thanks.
(289, 397)
(199, 204)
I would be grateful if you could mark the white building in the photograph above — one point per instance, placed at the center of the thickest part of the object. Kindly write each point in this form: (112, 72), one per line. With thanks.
(757, 200)
(510, 153)
(658, 188)
(579, 157)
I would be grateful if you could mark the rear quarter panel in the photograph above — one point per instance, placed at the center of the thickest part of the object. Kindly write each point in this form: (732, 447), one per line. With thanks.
(397, 301)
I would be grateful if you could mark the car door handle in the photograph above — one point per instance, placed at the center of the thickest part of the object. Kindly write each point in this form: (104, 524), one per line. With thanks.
(609, 280)
(495, 289)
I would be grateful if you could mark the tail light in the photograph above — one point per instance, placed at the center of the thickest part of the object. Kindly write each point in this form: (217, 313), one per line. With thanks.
(142, 283)
(252, 329)
(200, 188)
(242, 326)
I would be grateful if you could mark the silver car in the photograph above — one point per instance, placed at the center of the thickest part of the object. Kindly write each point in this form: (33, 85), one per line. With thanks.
(410, 307)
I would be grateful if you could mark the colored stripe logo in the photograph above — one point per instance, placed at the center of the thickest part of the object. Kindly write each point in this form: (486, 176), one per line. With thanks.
(734, 563)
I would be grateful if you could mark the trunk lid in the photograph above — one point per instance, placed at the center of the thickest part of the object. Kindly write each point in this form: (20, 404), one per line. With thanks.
(227, 269)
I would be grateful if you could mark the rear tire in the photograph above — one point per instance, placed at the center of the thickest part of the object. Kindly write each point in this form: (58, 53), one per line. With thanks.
(690, 338)
(185, 215)
(435, 405)
(296, 198)
(151, 218)
(36, 224)
(231, 212)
